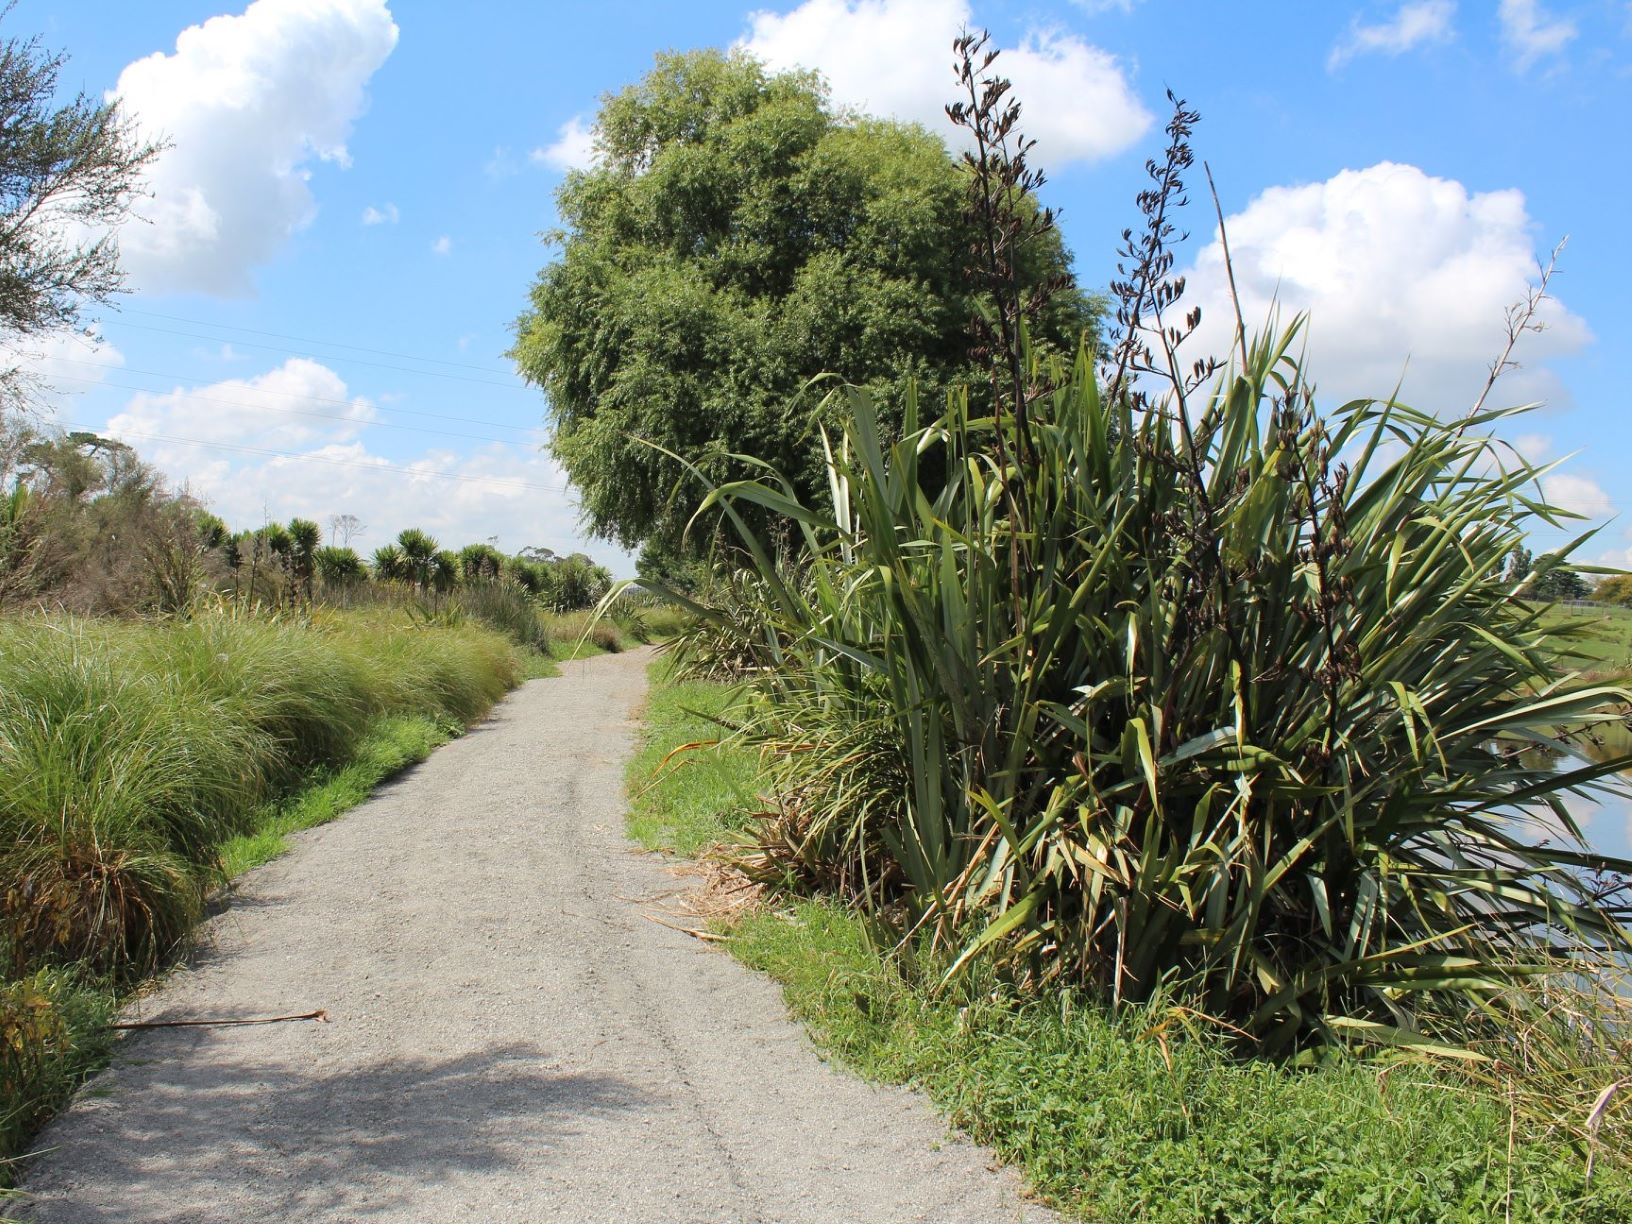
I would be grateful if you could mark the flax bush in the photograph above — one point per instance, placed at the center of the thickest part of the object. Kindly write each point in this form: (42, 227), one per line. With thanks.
(1234, 702)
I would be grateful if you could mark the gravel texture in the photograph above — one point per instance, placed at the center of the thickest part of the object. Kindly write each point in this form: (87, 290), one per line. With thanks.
(510, 1037)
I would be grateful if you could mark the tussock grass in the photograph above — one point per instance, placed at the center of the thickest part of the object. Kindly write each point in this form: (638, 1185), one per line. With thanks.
(143, 763)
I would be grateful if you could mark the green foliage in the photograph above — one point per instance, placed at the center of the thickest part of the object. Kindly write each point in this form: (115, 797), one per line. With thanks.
(1247, 721)
(480, 561)
(736, 239)
(1148, 1116)
(53, 1031)
(390, 564)
(338, 566)
(86, 526)
(1616, 589)
(691, 783)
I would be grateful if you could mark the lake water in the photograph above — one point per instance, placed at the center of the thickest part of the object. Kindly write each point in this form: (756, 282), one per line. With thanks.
(1606, 822)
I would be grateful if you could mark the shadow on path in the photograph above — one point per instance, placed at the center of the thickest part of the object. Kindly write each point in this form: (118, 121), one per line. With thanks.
(378, 1131)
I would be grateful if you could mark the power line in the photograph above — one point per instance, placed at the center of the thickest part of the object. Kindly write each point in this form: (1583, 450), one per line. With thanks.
(378, 466)
(312, 399)
(321, 416)
(357, 348)
(273, 348)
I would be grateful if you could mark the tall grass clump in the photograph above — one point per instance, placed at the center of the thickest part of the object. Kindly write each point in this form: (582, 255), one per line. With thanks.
(1158, 676)
(129, 752)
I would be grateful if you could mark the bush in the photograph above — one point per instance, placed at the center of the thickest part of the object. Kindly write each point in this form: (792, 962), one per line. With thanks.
(1246, 721)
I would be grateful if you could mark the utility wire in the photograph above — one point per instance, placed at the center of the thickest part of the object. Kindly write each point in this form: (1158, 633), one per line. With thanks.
(321, 416)
(273, 348)
(255, 331)
(355, 463)
(312, 399)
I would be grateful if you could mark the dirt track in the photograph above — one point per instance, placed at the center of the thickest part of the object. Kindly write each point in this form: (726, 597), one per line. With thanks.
(510, 1038)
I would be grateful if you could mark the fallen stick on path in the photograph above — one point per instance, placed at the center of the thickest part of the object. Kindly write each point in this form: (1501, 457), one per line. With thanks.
(319, 1014)
(708, 936)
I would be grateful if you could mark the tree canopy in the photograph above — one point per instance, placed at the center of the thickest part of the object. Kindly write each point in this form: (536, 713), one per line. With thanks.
(736, 237)
(68, 171)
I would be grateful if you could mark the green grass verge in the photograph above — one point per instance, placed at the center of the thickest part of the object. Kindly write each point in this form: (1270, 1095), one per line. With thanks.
(687, 801)
(1605, 640)
(390, 747)
(537, 665)
(1139, 1118)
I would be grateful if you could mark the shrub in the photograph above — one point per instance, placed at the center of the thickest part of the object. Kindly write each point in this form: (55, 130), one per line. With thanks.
(1247, 719)
(1163, 678)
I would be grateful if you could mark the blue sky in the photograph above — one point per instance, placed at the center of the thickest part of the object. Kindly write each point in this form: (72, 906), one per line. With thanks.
(348, 217)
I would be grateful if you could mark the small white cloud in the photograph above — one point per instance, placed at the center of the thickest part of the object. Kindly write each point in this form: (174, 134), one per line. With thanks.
(300, 403)
(442, 245)
(1401, 273)
(573, 147)
(502, 164)
(1531, 33)
(246, 103)
(1426, 21)
(381, 216)
(894, 58)
(1580, 494)
(1095, 7)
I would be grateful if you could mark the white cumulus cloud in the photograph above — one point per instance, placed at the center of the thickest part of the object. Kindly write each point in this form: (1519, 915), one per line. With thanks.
(1530, 32)
(218, 440)
(1401, 273)
(573, 147)
(1413, 24)
(247, 103)
(894, 58)
(381, 216)
(299, 403)
(442, 246)
(1579, 494)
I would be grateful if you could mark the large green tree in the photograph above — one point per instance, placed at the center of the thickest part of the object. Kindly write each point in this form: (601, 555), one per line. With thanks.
(736, 237)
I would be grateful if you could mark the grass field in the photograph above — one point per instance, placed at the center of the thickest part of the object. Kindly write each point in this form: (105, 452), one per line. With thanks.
(1147, 1116)
(1605, 641)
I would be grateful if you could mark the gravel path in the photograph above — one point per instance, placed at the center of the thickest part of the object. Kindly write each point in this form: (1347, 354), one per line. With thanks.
(510, 1038)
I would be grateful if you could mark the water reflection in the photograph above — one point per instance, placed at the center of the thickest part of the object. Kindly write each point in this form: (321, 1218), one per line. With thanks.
(1605, 819)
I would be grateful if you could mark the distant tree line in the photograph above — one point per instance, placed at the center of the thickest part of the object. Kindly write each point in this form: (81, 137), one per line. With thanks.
(86, 525)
